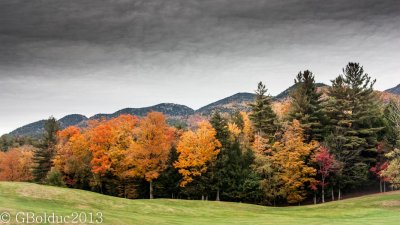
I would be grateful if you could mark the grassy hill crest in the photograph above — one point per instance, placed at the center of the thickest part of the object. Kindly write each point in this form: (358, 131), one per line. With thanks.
(370, 209)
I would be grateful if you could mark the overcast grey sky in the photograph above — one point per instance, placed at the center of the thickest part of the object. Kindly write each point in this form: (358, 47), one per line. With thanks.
(89, 56)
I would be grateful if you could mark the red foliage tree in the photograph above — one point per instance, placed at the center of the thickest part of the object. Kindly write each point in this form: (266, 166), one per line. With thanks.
(380, 166)
(327, 165)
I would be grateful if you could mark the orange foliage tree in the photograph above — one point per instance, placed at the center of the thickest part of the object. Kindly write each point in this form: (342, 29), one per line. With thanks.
(73, 156)
(196, 149)
(109, 142)
(290, 156)
(148, 154)
(16, 164)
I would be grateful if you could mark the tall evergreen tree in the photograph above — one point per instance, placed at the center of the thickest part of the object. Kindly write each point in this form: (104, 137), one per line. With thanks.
(220, 125)
(306, 106)
(355, 121)
(235, 171)
(43, 156)
(168, 183)
(232, 167)
(263, 117)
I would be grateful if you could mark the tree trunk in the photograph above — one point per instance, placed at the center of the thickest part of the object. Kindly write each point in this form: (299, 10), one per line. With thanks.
(151, 190)
(333, 195)
(315, 198)
(339, 195)
(380, 185)
(384, 186)
(202, 197)
(323, 190)
(217, 199)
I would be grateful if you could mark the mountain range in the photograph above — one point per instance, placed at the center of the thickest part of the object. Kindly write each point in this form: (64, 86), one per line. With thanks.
(175, 113)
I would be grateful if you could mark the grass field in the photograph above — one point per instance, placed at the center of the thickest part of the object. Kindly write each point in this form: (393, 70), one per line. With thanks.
(26, 197)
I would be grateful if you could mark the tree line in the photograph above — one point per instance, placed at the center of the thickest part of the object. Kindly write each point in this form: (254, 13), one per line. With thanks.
(317, 144)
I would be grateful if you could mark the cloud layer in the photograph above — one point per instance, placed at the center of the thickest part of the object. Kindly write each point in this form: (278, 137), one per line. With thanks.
(89, 56)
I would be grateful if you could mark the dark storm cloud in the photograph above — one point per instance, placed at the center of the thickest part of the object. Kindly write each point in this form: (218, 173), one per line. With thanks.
(90, 56)
(28, 28)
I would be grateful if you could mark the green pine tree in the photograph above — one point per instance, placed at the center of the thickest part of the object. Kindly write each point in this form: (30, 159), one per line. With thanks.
(263, 117)
(354, 123)
(220, 124)
(167, 184)
(306, 106)
(232, 168)
(43, 156)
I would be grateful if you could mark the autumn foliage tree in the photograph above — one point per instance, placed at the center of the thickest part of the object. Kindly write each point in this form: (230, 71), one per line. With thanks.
(392, 171)
(147, 155)
(16, 164)
(196, 149)
(291, 155)
(247, 130)
(109, 142)
(73, 157)
(326, 166)
(270, 182)
(381, 165)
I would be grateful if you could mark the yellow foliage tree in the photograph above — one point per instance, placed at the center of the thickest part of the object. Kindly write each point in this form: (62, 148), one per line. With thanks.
(196, 150)
(248, 133)
(290, 156)
(234, 130)
(281, 108)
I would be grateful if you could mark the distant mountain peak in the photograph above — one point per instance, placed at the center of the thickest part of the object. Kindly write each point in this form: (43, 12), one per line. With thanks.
(169, 109)
(238, 101)
(394, 90)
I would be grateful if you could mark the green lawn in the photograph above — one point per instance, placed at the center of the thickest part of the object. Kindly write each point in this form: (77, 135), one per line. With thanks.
(26, 197)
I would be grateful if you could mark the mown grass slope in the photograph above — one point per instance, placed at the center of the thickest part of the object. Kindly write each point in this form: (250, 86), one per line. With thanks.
(372, 209)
